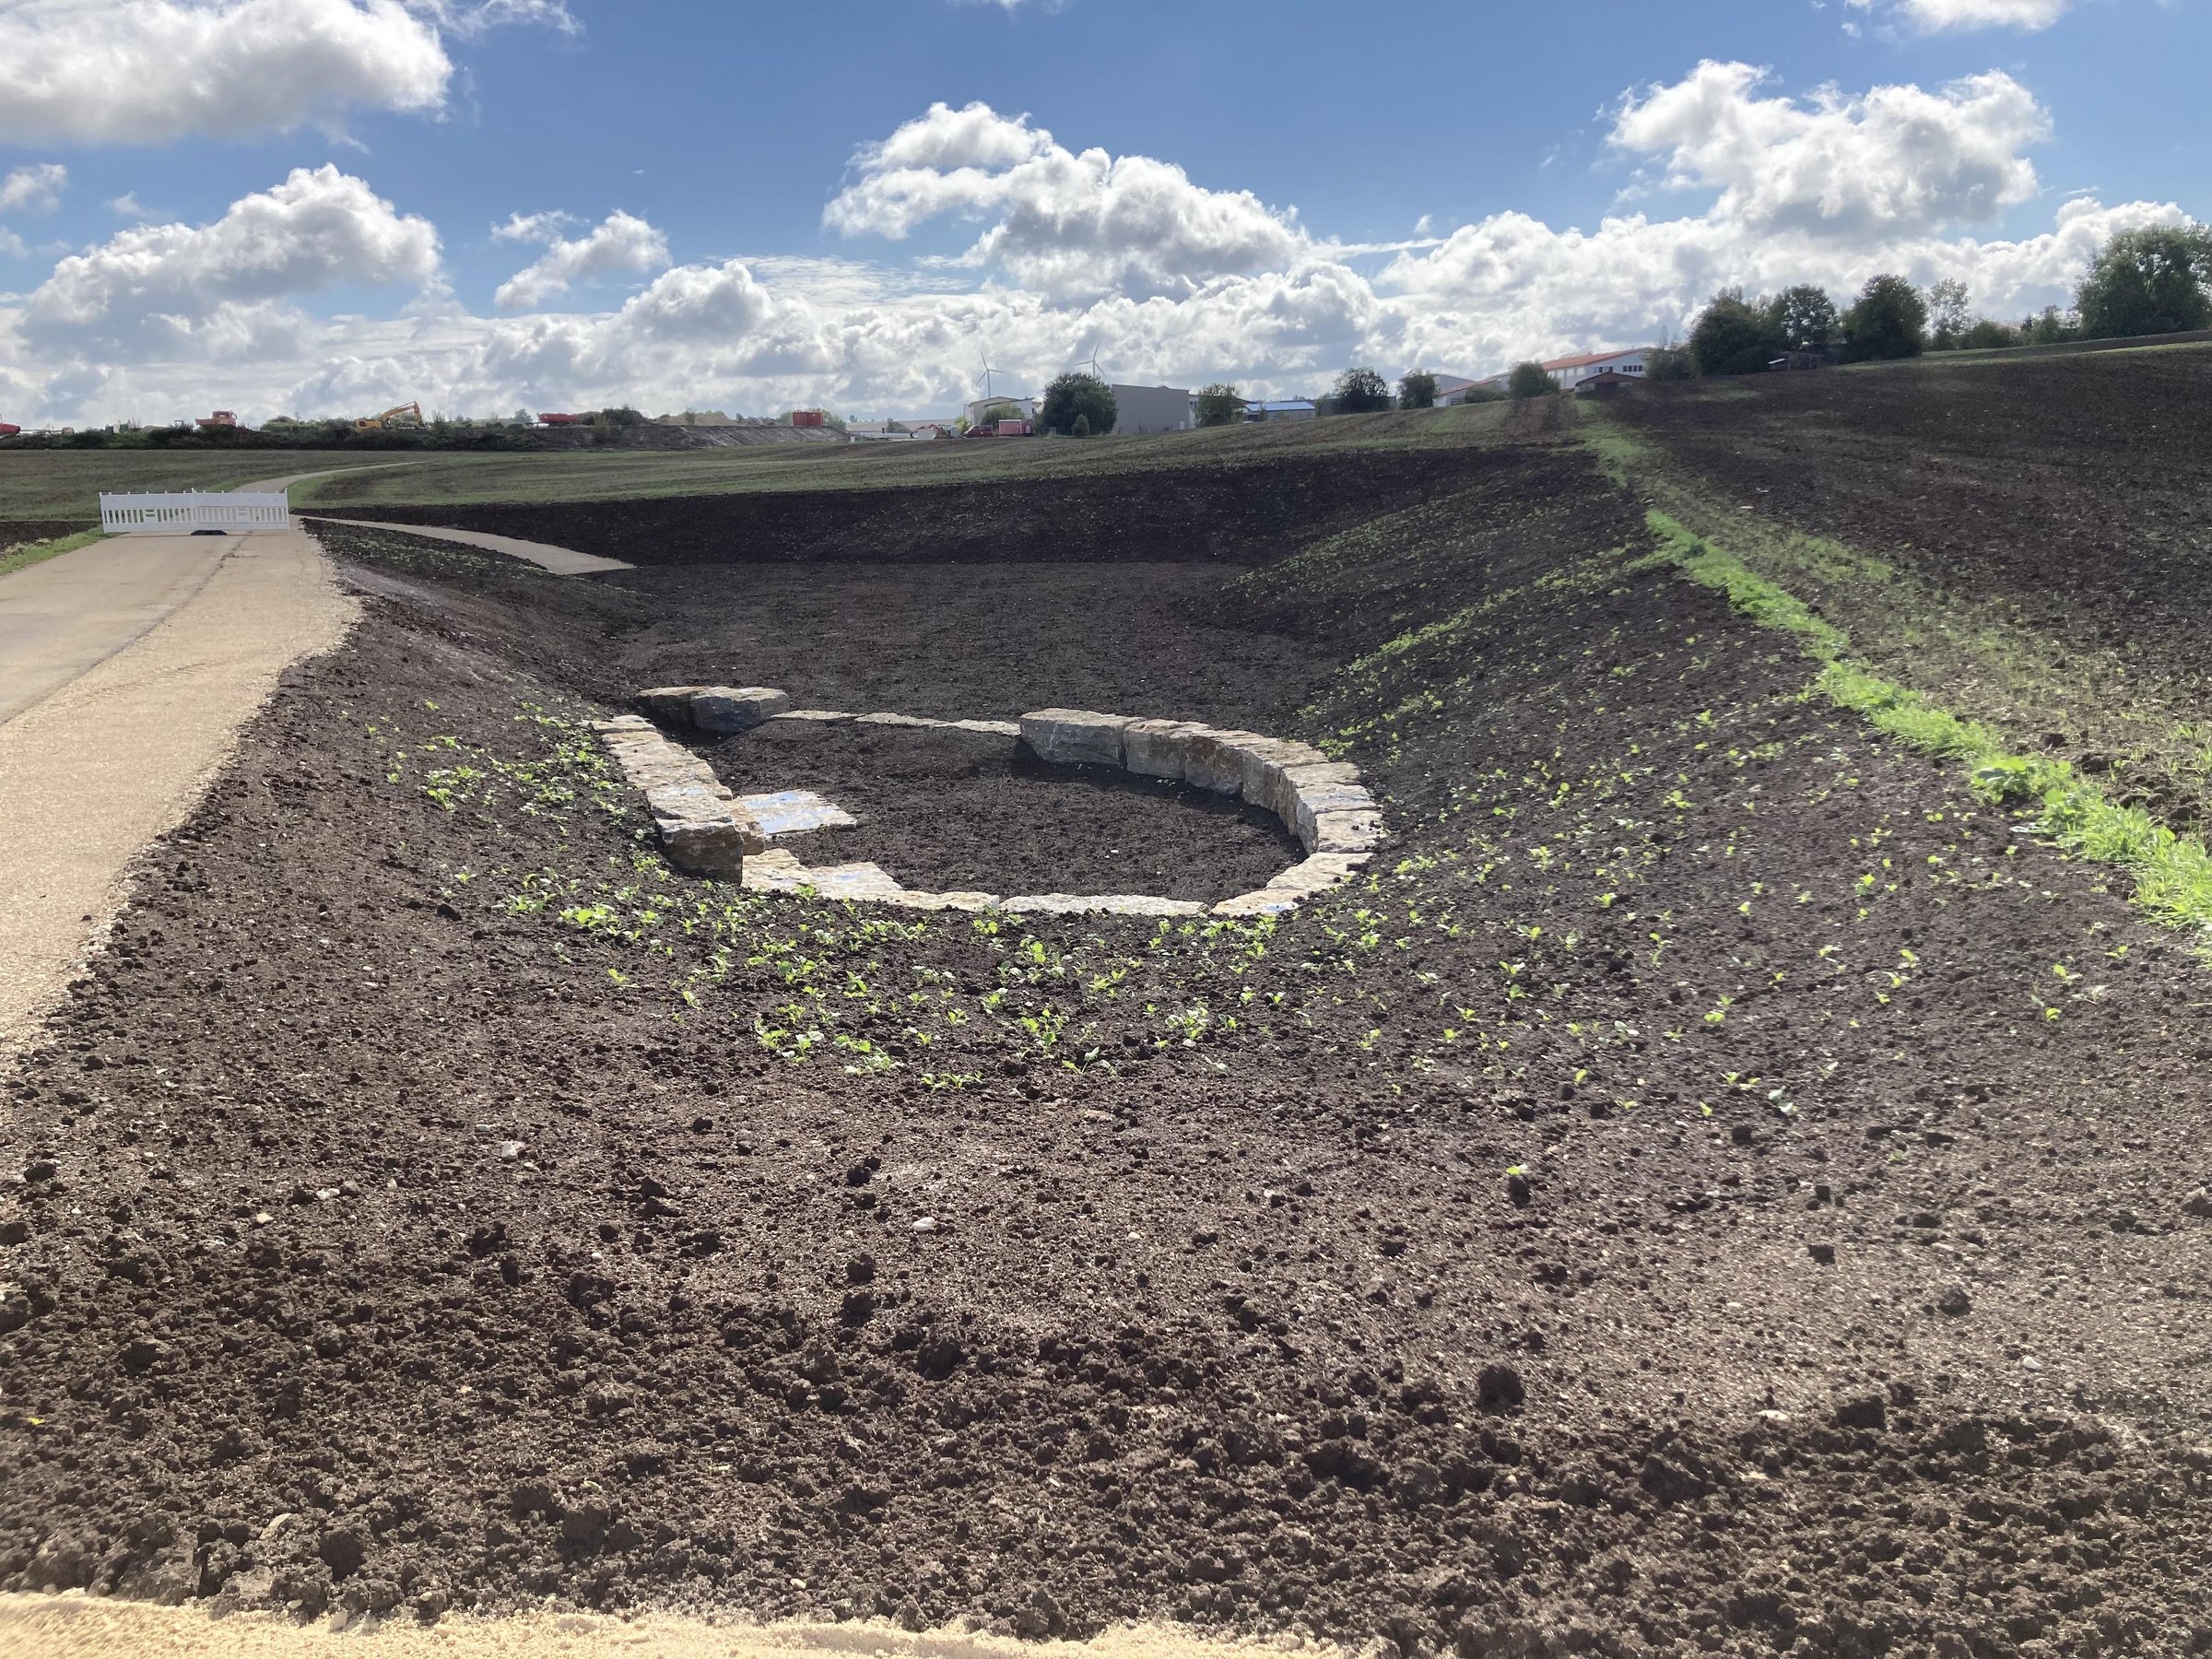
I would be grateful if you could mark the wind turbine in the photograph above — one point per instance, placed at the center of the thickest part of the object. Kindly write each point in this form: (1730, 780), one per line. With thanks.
(1095, 373)
(988, 372)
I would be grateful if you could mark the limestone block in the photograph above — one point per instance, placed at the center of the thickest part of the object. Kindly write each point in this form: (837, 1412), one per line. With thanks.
(852, 881)
(1318, 874)
(1284, 785)
(897, 719)
(1072, 737)
(1325, 798)
(622, 723)
(1214, 759)
(907, 898)
(818, 716)
(671, 703)
(1264, 764)
(704, 846)
(1098, 904)
(1347, 832)
(995, 728)
(1155, 749)
(1268, 902)
(794, 812)
(726, 709)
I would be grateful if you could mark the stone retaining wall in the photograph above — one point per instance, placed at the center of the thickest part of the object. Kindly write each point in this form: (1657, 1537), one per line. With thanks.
(705, 829)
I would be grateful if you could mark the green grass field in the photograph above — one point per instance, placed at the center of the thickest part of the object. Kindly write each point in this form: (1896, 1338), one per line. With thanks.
(608, 475)
(55, 485)
(59, 485)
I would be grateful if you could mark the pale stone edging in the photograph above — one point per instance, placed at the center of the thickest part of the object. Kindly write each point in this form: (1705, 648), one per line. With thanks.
(706, 829)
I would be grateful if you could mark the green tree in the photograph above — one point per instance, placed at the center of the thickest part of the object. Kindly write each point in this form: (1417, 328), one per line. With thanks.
(1670, 363)
(1986, 334)
(1077, 393)
(1418, 391)
(1734, 336)
(1081, 429)
(1484, 392)
(1889, 319)
(1529, 380)
(1219, 404)
(2156, 280)
(1361, 392)
(1803, 318)
(1951, 315)
(2048, 327)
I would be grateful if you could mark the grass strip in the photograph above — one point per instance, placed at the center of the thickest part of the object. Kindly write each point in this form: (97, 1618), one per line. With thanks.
(2172, 872)
(38, 552)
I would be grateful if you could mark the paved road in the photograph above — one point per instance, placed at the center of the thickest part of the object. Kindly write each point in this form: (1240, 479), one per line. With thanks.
(562, 561)
(143, 698)
(68, 613)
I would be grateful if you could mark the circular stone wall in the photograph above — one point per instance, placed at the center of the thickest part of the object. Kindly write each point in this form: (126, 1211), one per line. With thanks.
(947, 810)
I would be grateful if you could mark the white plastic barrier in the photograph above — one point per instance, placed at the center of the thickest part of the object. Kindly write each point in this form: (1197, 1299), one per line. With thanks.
(194, 509)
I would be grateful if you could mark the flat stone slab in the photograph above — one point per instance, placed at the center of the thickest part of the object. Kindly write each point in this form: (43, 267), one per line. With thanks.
(823, 716)
(1075, 736)
(1347, 832)
(794, 811)
(897, 719)
(671, 703)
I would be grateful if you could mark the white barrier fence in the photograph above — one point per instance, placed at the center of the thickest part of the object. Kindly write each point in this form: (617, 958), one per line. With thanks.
(193, 510)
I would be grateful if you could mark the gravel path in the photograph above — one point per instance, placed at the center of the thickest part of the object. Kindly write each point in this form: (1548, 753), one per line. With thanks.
(119, 742)
(562, 561)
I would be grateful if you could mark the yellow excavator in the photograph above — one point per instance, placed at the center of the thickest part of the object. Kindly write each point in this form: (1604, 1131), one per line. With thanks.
(403, 415)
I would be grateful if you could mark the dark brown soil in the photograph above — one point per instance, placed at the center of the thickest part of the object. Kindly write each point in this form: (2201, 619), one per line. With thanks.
(952, 811)
(1246, 513)
(2077, 488)
(1676, 1207)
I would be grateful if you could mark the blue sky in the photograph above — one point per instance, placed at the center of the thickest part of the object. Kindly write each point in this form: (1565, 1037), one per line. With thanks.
(1434, 157)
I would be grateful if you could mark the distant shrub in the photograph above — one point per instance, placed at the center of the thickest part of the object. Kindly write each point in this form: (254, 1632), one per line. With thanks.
(1361, 392)
(1418, 391)
(1670, 363)
(1734, 336)
(1529, 380)
(1484, 392)
(1987, 334)
(1077, 394)
(1218, 405)
(1889, 320)
(1081, 429)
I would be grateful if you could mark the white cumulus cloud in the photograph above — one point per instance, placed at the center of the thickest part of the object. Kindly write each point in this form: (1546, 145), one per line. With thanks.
(1069, 224)
(1942, 15)
(34, 189)
(621, 244)
(1892, 158)
(149, 71)
(1075, 250)
(223, 284)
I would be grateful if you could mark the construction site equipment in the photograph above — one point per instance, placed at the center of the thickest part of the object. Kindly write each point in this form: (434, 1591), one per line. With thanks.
(805, 418)
(399, 415)
(584, 419)
(221, 418)
(8, 431)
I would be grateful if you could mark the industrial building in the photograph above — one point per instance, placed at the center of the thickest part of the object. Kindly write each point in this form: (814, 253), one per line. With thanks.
(1153, 409)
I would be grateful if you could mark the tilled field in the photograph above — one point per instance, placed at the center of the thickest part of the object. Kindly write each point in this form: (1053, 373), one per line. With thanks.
(1714, 1188)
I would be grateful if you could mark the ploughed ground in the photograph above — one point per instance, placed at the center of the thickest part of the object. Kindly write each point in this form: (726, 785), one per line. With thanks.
(1713, 1187)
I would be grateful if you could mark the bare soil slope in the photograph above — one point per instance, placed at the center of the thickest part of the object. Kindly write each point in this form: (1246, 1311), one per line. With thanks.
(1714, 1188)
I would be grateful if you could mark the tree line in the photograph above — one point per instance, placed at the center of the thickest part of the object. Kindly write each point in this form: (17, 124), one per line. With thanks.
(2153, 281)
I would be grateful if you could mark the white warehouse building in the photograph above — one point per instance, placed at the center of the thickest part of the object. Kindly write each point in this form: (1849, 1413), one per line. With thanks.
(1153, 409)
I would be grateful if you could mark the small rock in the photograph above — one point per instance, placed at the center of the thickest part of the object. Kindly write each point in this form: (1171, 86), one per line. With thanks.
(1955, 1301)
(1823, 1253)
(861, 1270)
(922, 1224)
(2199, 1204)
(508, 1150)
